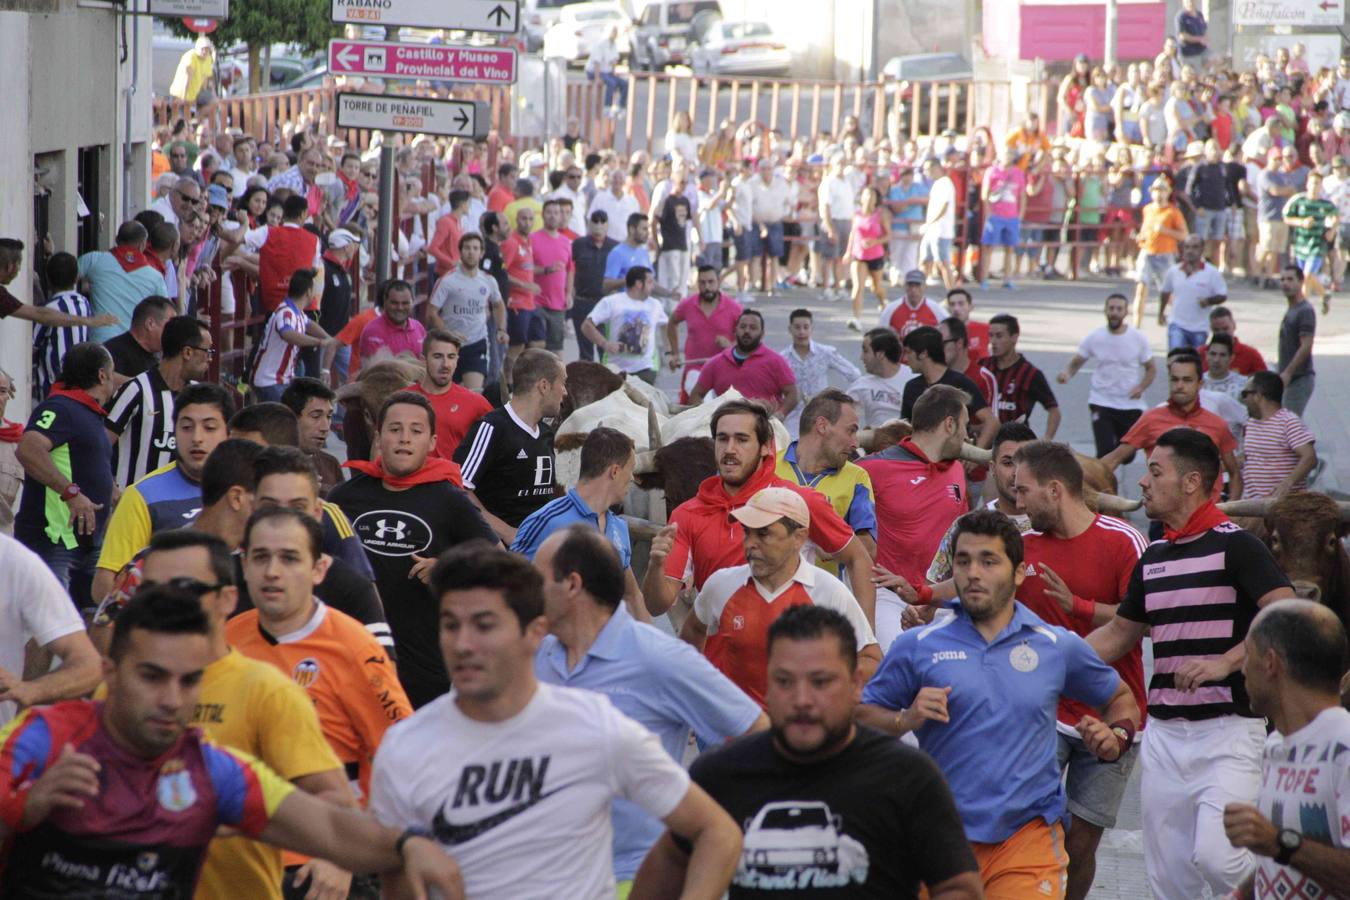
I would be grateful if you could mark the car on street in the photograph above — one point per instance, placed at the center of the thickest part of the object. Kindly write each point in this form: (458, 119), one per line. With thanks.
(666, 29)
(581, 26)
(740, 48)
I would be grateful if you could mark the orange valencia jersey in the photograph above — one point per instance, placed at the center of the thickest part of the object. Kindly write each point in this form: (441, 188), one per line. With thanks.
(345, 671)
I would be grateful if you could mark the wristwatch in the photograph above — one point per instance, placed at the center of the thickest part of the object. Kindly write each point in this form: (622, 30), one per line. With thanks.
(1290, 840)
(408, 834)
(71, 492)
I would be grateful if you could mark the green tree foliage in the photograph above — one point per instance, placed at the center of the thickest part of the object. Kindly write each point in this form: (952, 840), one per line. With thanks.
(261, 23)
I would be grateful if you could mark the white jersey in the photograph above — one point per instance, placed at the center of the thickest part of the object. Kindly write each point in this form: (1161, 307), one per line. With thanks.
(524, 805)
(33, 606)
(1305, 786)
(881, 398)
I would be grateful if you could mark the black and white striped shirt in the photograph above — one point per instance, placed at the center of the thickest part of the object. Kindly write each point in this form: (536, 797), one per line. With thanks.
(50, 345)
(141, 414)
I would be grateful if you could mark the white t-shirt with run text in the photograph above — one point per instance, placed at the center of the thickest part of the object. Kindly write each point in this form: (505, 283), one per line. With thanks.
(1305, 786)
(1116, 359)
(881, 398)
(633, 324)
(33, 606)
(523, 805)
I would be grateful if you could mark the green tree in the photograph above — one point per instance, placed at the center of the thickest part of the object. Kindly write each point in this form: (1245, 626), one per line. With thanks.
(262, 23)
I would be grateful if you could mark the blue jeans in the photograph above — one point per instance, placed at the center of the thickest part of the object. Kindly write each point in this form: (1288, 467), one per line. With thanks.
(74, 568)
(271, 392)
(1180, 337)
(341, 365)
(615, 83)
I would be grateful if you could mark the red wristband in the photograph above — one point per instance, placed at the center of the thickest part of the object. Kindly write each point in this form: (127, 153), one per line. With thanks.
(1083, 608)
(925, 594)
(12, 807)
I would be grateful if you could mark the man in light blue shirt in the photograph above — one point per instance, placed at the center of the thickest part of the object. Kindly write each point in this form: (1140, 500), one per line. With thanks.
(650, 676)
(629, 253)
(120, 278)
(980, 691)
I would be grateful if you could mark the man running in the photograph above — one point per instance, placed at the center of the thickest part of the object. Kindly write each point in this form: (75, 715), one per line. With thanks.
(1020, 384)
(517, 777)
(913, 309)
(880, 391)
(981, 690)
(818, 773)
(461, 303)
(1124, 370)
(1195, 592)
(457, 406)
(924, 354)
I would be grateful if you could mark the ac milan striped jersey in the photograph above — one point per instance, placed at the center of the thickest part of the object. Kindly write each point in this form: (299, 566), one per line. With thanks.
(1020, 387)
(1198, 596)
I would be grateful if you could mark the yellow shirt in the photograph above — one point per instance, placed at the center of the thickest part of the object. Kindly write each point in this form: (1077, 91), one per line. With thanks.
(194, 71)
(849, 490)
(248, 705)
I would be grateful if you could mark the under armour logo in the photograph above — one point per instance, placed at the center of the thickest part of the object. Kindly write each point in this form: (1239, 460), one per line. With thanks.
(383, 529)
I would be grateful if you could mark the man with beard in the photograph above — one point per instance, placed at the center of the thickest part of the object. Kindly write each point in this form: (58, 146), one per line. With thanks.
(506, 459)
(822, 459)
(736, 606)
(461, 303)
(1079, 565)
(816, 765)
(1182, 410)
(170, 496)
(980, 693)
(920, 488)
(457, 407)
(1124, 370)
(751, 368)
(710, 318)
(407, 509)
(702, 537)
(1196, 592)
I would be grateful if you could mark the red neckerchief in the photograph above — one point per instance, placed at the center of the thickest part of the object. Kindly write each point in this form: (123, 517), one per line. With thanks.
(940, 466)
(352, 188)
(712, 493)
(435, 469)
(79, 395)
(10, 432)
(155, 262)
(1205, 517)
(129, 258)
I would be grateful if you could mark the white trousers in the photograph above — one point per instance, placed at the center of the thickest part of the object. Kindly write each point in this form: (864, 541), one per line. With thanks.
(1189, 772)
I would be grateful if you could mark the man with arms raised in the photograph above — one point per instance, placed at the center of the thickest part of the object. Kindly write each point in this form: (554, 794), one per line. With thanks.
(702, 537)
(1195, 592)
(980, 691)
(407, 508)
(1079, 565)
(517, 777)
(1299, 828)
(457, 407)
(816, 765)
(122, 794)
(595, 644)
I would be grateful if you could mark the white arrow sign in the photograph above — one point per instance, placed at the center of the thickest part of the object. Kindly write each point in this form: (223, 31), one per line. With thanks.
(418, 115)
(497, 16)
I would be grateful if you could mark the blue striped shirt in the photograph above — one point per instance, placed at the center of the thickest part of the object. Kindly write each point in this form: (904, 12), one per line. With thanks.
(50, 345)
(569, 510)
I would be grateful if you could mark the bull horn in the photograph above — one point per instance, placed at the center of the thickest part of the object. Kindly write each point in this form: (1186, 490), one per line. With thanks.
(635, 395)
(1112, 503)
(653, 428)
(866, 436)
(971, 453)
(646, 463)
(1247, 508)
(642, 529)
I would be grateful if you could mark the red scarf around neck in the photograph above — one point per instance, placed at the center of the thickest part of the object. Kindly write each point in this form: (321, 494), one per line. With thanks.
(155, 262)
(79, 395)
(1203, 519)
(130, 259)
(940, 466)
(10, 432)
(435, 469)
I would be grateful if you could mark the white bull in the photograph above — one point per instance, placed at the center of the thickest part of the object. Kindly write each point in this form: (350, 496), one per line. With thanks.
(619, 410)
(696, 421)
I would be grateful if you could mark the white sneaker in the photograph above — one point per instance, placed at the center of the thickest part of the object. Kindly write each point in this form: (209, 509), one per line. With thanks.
(852, 324)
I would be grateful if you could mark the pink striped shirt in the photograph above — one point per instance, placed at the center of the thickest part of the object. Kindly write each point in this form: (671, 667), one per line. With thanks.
(1268, 452)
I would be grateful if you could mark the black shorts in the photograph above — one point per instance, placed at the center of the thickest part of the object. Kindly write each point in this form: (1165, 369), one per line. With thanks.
(473, 358)
(525, 326)
(874, 265)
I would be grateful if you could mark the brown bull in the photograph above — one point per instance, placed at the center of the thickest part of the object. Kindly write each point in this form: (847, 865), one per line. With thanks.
(679, 468)
(587, 382)
(364, 396)
(1304, 532)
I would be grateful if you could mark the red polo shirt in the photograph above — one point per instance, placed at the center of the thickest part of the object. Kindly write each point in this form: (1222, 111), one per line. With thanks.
(1154, 423)
(761, 376)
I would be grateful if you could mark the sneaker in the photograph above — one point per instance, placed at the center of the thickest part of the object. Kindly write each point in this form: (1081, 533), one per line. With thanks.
(852, 324)
(829, 295)
(1009, 286)
(984, 285)
(933, 281)
(783, 285)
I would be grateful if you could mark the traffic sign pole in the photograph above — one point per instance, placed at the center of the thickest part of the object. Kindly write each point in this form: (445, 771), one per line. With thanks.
(384, 222)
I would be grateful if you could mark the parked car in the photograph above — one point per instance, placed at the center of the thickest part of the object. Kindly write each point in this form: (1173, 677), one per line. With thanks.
(901, 73)
(537, 17)
(740, 48)
(581, 26)
(665, 31)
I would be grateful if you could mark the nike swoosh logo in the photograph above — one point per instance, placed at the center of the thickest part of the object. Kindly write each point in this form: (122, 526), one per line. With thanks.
(447, 833)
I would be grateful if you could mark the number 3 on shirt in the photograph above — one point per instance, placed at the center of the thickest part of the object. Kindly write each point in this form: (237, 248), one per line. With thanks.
(46, 419)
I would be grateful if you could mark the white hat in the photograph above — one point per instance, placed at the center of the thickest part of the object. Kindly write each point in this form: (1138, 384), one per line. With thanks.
(341, 237)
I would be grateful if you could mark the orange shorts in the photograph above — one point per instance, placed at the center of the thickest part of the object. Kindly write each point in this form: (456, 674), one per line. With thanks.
(1030, 865)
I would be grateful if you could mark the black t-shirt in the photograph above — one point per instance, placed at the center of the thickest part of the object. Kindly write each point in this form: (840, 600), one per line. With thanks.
(507, 468)
(344, 589)
(494, 265)
(129, 358)
(427, 520)
(873, 821)
(915, 387)
(335, 308)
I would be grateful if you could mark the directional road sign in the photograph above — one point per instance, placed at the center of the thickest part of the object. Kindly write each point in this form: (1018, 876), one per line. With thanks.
(419, 115)
(194, 9)
(499, 16)
(433, 62)
(1289, 12)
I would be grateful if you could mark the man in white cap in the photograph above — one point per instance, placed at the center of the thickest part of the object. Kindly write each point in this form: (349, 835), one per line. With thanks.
(733, 611)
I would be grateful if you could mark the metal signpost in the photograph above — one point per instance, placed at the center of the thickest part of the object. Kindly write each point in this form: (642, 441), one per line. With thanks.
(433, 62)
(492, 16)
